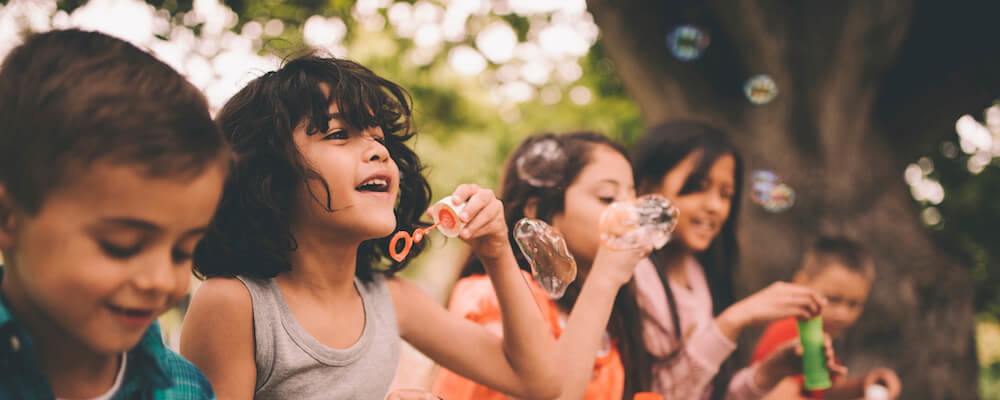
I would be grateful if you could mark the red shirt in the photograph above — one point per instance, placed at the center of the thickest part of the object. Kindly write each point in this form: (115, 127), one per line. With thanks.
(775, 334)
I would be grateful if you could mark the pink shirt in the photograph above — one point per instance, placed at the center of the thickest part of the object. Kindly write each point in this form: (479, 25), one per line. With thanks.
(703, 347)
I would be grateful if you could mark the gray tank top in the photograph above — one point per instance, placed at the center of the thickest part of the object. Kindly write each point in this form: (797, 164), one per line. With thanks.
(291, 364)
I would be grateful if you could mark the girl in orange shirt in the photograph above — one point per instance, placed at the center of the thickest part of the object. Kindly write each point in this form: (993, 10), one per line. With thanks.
(600, 358)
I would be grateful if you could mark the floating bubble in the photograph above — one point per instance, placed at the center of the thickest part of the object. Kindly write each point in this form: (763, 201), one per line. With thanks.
(552, 266)
(760, 89)
(543, 164)
(645, 222)
(770, 192)
(687, 42)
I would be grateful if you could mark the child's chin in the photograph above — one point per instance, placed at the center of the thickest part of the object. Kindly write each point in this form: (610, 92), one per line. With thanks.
(116, 346)
(383, 230)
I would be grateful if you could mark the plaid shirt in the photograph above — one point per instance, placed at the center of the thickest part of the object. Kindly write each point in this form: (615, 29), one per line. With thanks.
(153, 371)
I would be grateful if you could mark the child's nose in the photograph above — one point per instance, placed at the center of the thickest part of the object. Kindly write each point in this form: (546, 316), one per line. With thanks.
(376, 152)
(157, 277)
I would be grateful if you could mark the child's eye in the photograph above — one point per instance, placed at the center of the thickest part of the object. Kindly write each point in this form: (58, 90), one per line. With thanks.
(606, 200)
(337, 134)
(120, 252)
(180, 256)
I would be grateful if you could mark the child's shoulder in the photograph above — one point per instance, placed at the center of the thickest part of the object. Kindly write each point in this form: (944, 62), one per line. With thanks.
(475, 298)
(225, 292)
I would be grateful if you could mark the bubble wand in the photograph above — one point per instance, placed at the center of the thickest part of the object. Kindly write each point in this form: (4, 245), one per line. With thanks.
(445, 216)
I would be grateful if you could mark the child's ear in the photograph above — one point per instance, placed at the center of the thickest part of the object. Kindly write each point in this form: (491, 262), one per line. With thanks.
(531, 208)
(8, 218)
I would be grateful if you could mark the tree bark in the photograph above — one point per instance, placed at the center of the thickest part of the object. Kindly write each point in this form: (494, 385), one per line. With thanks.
(864, 88)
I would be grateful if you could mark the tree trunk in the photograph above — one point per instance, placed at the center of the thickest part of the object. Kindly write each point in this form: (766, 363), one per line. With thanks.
(864, 87)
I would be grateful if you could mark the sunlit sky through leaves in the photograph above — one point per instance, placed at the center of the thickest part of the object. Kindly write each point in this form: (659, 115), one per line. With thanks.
(471, 36)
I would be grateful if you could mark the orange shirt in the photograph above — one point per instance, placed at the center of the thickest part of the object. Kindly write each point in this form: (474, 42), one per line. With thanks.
(475, 299)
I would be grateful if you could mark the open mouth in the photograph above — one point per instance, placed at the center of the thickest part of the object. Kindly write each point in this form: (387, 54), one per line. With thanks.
(132, 312)
(703, 224)
(380, 185)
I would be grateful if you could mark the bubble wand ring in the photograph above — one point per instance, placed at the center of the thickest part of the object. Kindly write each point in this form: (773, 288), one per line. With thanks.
(444, 217)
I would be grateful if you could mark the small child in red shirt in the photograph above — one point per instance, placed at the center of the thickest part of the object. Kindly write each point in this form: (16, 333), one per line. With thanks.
(843, 271)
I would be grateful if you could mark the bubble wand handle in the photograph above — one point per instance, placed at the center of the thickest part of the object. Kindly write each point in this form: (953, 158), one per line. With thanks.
(409, 240)
(817, 376)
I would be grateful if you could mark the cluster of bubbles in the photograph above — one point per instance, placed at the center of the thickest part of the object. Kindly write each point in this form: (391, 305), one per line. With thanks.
(643, 223)
(552, 265)
(770, 192)
(687, 42)
(760, 89)
(543, 163)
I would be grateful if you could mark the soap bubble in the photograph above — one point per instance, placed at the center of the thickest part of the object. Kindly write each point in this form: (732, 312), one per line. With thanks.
(552, 266)
(760, 89)
(770, 192)
(645, 222)
(687, 42)
(542, 164)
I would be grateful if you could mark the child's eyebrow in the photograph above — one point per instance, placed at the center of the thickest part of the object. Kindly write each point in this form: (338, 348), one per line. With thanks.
(138, 224)
(197, 231)
(133, 223)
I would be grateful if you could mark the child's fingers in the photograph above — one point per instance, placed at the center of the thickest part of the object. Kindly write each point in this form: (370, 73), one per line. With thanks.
(476, 204)
(836, 369)
(463, 192)
(480, 224)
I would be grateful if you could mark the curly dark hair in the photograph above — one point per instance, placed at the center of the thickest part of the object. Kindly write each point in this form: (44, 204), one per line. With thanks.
(250, 235)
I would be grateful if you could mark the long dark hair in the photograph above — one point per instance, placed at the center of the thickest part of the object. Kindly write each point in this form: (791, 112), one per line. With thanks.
(250, 235)
(624, 324)
(655, 154)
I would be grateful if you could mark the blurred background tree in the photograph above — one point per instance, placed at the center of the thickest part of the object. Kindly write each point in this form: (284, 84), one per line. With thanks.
(878, 122)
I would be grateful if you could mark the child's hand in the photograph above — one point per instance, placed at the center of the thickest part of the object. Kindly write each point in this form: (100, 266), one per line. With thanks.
(786, 360)
(411, 394)
(485, 229)
(778, 301)
(616, 266)
(885, 377)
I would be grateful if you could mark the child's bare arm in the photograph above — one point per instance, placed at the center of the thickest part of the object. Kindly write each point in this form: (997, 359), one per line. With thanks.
(462, 346)
(218, 337)
(520, 362)
(578, 345)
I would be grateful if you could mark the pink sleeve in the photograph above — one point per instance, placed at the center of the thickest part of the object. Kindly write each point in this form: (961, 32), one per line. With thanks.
(689, 370)
(685, 372)
(742, 386)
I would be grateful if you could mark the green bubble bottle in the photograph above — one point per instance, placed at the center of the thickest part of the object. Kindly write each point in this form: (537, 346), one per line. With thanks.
(817, 376)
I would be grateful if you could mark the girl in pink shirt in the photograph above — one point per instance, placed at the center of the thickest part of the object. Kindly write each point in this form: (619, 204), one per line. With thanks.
(690, 321)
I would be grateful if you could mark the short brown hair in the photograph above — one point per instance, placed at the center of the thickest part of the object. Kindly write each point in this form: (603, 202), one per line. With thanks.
(69, 98)
(830, 250)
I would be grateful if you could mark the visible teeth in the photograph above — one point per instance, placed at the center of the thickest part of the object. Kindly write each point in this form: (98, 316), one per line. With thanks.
(375, 181)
